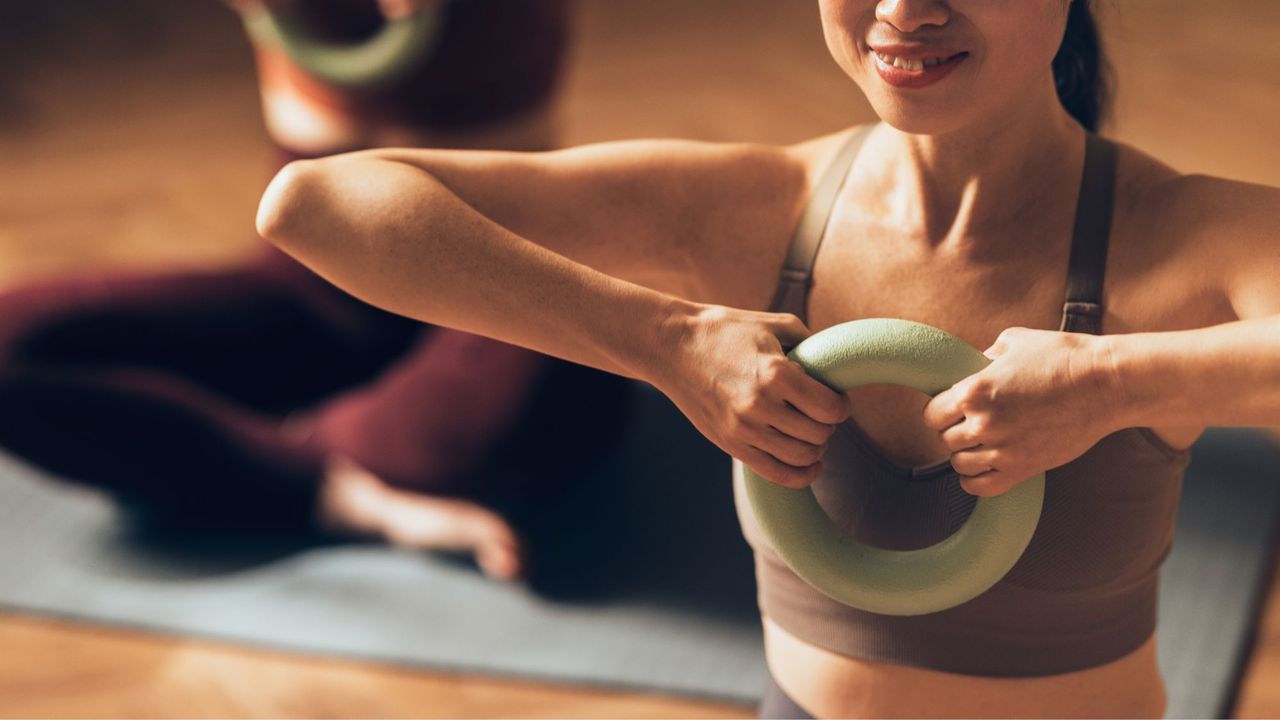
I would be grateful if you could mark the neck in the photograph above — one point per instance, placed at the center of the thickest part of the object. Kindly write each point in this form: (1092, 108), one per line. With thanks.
(965, 186)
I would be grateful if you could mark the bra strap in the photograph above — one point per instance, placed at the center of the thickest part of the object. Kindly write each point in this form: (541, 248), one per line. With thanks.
(797, 271)
(1086, 270)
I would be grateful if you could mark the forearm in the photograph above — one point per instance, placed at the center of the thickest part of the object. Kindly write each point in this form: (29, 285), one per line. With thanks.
(1221, 375)
(397, 238)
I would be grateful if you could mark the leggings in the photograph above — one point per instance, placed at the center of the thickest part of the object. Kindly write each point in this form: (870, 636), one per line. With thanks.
(219, 395)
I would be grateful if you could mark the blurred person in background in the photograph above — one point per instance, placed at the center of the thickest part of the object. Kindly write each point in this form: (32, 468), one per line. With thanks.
(260, 396)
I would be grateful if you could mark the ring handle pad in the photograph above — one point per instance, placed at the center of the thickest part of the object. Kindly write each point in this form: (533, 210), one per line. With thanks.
(894, 582)
(387, 55)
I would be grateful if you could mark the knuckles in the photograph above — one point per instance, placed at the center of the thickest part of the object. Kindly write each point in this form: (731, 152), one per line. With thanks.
(770, 373)
(979, 428)
(1012, 335)
(978, 393)
(746, 405)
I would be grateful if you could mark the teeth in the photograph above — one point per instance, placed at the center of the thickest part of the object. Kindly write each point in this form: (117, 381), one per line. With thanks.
(908, 65)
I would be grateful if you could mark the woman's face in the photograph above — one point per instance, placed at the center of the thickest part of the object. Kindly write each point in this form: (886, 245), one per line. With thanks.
(934, 66)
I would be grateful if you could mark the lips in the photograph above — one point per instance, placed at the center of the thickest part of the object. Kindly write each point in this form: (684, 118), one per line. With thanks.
(914, 67)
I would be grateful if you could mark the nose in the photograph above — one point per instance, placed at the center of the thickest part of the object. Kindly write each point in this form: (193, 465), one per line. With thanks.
(911, 15)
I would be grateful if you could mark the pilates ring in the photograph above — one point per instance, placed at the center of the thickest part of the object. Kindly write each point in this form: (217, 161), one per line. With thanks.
(894, 582)
(392, 51)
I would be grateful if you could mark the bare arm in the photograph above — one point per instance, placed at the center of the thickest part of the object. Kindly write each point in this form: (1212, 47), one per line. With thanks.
(1227, 374)
(582, 254)
(626, 258)
(393, 235)
(692, 219)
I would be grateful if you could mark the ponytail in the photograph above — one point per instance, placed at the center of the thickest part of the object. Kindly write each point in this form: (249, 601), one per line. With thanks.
(1080, 69)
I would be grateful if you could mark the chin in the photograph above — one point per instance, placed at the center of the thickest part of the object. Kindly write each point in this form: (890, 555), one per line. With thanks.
(919, 118)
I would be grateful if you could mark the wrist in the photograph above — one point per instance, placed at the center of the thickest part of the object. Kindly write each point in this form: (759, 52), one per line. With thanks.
(664, 326)
(1123, 378)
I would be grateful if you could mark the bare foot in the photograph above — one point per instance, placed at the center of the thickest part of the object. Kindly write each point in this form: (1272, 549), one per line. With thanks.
(355, 501)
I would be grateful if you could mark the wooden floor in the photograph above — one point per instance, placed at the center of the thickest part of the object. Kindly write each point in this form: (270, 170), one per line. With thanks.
(129, 136)
(56, 669)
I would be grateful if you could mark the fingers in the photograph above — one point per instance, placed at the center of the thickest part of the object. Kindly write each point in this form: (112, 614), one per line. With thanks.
(786, 448)
(991, 483)
(945, 409)
(987, 484)
(794, 403)
(812, 398)
(974, 462)
(960, 436)
(979, 465)
(788, 328)
(800, 426)
(771, 469)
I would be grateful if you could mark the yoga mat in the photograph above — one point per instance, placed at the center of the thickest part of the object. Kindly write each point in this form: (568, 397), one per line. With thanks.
(637, 589)
(1213, 585)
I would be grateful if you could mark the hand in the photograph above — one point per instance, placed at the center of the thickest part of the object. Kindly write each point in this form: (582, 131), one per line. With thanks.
(728, 374)
(1044, 400)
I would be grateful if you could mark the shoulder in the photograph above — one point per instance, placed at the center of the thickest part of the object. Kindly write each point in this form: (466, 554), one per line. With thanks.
(1226, 229)
(749, 199)
(1196, 205)
(813, 155)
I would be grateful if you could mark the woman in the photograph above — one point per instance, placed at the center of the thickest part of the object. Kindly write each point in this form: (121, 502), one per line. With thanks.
(260, 395)
(981, 205)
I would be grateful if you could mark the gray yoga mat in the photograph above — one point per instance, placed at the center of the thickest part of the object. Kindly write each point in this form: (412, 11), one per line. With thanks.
(619, 601)
(636, 589)
(1213, 585)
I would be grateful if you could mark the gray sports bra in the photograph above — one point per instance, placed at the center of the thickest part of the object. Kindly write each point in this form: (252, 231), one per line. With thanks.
(1083, 593)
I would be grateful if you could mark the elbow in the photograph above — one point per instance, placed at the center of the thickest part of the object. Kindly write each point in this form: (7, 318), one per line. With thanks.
(283, 210)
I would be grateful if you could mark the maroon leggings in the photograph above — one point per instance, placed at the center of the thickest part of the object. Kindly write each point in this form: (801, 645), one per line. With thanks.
(218, 395)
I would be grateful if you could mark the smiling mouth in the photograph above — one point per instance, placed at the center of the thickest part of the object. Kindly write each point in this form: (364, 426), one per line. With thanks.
(913, 64)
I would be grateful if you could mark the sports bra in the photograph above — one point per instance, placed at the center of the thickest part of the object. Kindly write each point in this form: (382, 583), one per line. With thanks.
(1083, 593)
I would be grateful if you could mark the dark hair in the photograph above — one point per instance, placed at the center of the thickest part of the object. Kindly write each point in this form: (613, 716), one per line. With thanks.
(1080, 68)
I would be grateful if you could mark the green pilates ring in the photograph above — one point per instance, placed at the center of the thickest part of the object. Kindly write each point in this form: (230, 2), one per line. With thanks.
(894, 582)
(395, 49)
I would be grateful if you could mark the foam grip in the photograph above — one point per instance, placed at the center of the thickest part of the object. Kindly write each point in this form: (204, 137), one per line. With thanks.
(390, 53)
(894, 582)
